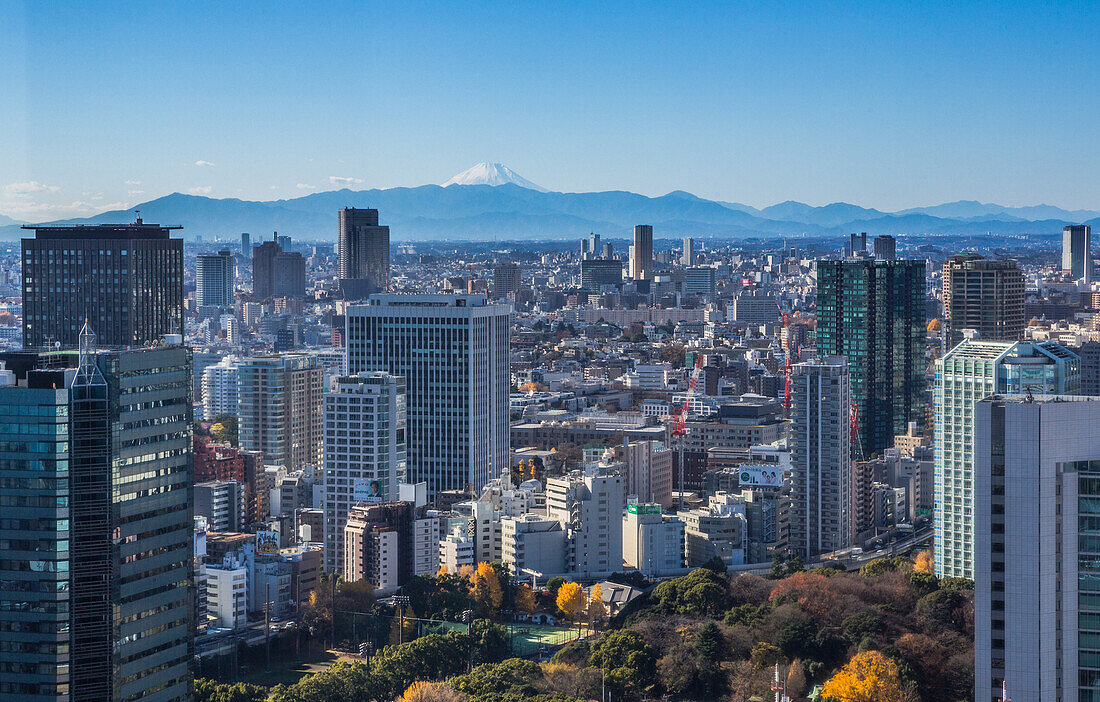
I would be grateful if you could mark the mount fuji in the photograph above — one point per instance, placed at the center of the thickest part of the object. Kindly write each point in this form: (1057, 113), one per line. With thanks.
(486, 173)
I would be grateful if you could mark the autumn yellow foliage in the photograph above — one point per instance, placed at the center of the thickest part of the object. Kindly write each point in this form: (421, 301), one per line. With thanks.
(868, 677)
(571, 599)
(597, 610)
(924, 563)
(421, 691)
(485, 587)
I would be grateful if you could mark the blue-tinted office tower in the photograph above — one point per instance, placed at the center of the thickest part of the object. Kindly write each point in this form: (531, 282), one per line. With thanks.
(96, 509)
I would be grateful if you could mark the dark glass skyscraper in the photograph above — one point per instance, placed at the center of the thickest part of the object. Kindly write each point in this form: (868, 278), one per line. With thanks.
(96, 584)
(364, 253)
(125, 279)
(872, 313)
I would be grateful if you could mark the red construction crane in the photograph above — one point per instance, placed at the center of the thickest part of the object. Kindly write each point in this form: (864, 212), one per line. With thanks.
(678, 418)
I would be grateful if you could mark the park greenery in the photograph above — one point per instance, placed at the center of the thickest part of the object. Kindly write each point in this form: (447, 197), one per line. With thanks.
(890, 632)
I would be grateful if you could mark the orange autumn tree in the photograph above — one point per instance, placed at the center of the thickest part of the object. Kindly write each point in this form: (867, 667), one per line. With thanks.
(924, 563)
(485, 588)
(571, 600)
(868, 677)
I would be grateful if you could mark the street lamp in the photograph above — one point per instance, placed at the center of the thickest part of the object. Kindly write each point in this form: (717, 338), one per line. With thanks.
(401, 601)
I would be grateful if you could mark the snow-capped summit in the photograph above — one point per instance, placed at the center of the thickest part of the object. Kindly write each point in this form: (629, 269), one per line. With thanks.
(492, 174)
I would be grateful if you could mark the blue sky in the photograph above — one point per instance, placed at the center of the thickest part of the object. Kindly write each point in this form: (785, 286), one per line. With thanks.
(886, 105)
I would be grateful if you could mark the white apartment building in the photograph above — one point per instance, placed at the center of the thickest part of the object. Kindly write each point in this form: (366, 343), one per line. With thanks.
(456, 550)
(426, 534)
(453, 352)
(219, 388)
(969, 372)
(821, 465)
(227, 595)
(533, 544)
(652, 542)
(648, 376)
(365, 450)
(589, 507)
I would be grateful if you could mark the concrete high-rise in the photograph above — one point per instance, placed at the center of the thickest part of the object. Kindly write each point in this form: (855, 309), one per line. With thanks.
(453, 352)
(687, 258)
(872, 313)
(641, 256)
(364, 253)
(279, 409)
(214, 278)
(506, 279)
(365, 451)
(1037, 548)
(967, 373)
(821, 517)
(589, 506)
(125, 279)
(1077, 251)
(277, 272)
(246, 243)
(1090, 367)
(289, 276)
(984, 295)
(885, 247)
(98, 528)
(263, 267)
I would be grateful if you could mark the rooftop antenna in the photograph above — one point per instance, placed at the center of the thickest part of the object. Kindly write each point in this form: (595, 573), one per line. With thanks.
(137, 217)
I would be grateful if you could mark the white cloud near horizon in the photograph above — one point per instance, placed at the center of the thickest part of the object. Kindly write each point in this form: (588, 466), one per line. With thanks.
(303, 186)
(29, 187)
(200, 189)
(344, 180)
(133, 182)
(202, 163)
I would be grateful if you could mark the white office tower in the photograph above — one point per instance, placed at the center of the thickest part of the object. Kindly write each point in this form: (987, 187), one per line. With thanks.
(364, 450)
(969, 372)
(452, 351)
(821, 463)
(219, 388)
(1037, 547)
(716, 531)
(589, 507)
(688, 256)
(214, 278)
(652, 542)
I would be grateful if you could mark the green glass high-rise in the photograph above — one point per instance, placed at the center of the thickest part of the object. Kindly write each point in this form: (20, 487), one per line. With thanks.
(872, 313)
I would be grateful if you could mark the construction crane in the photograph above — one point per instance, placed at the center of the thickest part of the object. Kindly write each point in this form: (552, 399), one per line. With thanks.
(853, 432)
(678, 418)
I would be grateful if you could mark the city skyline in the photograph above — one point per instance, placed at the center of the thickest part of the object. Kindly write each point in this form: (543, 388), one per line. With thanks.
(812, 105)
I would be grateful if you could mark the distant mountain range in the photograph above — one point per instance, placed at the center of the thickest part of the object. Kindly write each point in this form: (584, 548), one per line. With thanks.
(491, 202)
